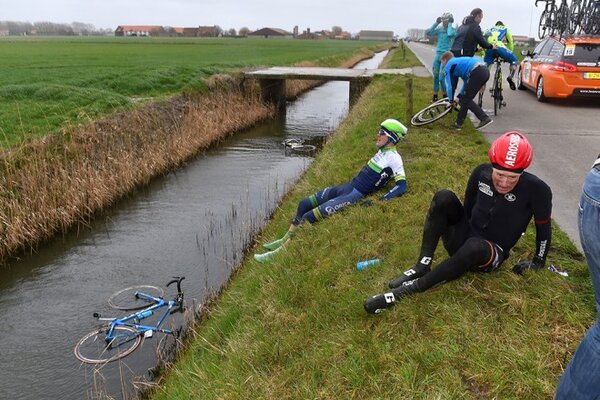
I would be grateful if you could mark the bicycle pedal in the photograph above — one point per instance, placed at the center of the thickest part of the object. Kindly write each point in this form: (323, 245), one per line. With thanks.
(148, 333)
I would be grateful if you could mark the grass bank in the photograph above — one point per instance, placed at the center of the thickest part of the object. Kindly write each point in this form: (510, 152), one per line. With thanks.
(295, 328)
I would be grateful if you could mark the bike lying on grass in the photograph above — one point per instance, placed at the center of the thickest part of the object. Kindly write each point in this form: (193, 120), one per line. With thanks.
(432, 112)
(121, 336)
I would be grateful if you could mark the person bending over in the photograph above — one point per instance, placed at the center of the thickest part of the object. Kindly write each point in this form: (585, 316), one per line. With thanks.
(386, 164)
(474, 74)
(444, 31)
(500, 200)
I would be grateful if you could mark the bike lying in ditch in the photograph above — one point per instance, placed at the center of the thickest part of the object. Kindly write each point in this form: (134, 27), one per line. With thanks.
(121, 336)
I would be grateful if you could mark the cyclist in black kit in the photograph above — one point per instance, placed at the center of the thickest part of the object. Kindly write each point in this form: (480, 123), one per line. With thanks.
(500, 200)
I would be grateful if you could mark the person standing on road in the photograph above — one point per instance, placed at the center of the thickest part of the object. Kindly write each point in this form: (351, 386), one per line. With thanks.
(500, 200)
(581, 379)
(469, 35)
(474, 74)
(445, 35)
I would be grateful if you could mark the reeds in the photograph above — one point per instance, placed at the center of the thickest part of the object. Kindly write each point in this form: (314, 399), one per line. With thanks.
(48, 185)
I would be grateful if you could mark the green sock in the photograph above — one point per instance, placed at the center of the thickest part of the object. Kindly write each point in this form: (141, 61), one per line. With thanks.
(276, 243)
(265, 257)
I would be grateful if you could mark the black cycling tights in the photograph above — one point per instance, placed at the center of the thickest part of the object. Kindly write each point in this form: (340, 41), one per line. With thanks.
(446, 219)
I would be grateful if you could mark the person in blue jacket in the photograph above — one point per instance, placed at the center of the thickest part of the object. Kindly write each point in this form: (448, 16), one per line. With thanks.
(385, 165)
(444, 31)
(474, 73)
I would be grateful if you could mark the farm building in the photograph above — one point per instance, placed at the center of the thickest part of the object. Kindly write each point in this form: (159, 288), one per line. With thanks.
(271, 33)
(376, 35)
(140, 30)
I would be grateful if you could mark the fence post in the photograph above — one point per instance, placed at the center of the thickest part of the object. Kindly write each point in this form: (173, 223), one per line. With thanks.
(409, 99)
(403, 49)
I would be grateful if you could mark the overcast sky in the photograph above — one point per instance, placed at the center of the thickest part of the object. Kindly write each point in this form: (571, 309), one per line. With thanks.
(352, 15)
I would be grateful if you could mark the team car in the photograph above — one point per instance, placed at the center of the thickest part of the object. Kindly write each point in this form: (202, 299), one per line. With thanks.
(562, 68)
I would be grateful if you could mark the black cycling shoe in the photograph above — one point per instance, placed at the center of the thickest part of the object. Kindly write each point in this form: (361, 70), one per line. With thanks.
(378, 303)
(434, 98)
(409, 275)
(511, 83)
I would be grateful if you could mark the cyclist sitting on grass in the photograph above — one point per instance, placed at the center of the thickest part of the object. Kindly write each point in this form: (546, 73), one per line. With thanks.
(474, 74)
(384, 165)
(500, 200)
(498, 35)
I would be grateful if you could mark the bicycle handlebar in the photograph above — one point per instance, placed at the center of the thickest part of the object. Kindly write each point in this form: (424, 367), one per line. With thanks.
(176, 279)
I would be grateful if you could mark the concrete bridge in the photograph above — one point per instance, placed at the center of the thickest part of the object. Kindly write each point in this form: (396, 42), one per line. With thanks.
(272, 80)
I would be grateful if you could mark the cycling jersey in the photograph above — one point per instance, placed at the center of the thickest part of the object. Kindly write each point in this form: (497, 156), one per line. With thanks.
(459, 67)
(385, 164)
(502, 218)
(498, 34)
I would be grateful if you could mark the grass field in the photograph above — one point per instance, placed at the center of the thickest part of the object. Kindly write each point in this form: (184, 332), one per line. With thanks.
(46, 83)
(296, 329)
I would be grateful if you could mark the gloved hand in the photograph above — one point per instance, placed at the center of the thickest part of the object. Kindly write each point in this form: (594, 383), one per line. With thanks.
(438, 20)
(535, 264)
(368, 203)
(451, 20)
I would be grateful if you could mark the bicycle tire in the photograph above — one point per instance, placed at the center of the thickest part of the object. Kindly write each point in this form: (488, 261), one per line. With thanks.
(497, 90)
(431, 113)
(93, 349)
(126, 300)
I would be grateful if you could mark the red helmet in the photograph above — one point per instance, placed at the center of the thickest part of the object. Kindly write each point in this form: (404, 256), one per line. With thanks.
(511, 152)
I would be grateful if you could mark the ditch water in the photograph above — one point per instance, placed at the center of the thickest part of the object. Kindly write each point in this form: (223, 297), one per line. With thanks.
(195, 222)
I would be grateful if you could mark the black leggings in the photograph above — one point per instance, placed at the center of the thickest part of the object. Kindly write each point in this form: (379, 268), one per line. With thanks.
(446, 219)
(479, 76)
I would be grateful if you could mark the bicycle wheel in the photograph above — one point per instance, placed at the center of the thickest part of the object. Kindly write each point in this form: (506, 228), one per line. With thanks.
(544, 24)
(126, 299)
(497, 90)
(431, 113)
(93, 348)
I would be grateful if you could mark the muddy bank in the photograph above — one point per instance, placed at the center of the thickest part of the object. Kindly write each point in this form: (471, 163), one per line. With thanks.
(49, 185)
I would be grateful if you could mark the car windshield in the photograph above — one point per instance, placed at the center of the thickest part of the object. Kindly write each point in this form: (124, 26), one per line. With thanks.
(583, 52)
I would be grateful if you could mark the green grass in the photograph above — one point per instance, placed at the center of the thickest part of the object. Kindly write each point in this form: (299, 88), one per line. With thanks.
(296, 329)
(46, 83)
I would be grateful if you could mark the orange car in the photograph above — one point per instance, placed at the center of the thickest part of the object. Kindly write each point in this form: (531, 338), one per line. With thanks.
(560, 68)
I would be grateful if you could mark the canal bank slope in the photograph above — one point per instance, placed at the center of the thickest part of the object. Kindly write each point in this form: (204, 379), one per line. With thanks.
(295, 328)
(49, 185)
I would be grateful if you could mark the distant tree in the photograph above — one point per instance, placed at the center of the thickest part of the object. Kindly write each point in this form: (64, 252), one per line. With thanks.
(336, 30)
(218, 31)
(244, 31)
(80, 28)
(231, 32)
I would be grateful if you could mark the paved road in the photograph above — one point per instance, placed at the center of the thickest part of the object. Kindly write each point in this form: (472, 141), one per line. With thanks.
(565, 136)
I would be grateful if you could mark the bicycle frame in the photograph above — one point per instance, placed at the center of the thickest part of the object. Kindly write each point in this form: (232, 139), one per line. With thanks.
(139, 316)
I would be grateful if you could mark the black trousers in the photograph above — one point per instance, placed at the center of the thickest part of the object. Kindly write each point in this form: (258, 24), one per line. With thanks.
(446, 219)
(479, 76)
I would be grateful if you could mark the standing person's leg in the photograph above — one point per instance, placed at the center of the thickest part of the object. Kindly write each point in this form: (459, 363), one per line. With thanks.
(479, 76)
(446, 220)
(581, 379)
(436, 76)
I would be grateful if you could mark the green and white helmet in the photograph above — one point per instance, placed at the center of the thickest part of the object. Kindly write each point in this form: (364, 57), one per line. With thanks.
(447, 16)
(393, 129)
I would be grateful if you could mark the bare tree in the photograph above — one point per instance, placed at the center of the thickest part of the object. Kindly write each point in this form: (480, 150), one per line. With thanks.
(336, 30)
(244, 31)
(231, 32)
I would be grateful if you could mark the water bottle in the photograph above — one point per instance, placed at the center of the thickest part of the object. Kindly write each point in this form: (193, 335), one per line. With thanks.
(368, 263)
(145, 314)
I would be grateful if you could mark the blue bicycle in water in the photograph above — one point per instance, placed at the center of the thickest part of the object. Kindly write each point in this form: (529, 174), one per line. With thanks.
(121, 336)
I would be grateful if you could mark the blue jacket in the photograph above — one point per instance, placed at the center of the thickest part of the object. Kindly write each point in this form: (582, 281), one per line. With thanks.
(459, 67)
(444, 36)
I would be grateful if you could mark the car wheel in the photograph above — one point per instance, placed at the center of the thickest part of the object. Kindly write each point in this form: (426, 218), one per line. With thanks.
(520, 85)
(539, 91)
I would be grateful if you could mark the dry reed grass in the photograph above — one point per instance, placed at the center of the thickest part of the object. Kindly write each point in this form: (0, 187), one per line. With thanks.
(48, 185)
